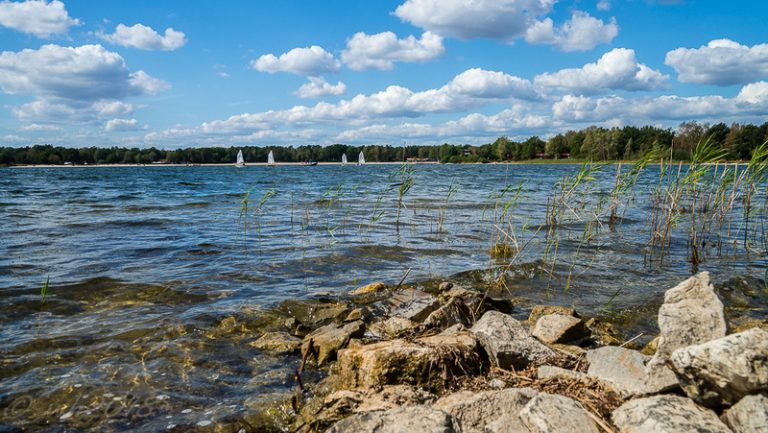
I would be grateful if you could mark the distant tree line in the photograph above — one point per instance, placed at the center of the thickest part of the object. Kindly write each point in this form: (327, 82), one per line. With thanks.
(594, 143)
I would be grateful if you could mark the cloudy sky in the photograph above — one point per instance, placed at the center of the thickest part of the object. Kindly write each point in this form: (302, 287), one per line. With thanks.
(201, 73)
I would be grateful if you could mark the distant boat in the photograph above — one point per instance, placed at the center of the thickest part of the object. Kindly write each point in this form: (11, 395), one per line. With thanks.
(311, 162)
(240, 160)
(271, 159)
(344, 159)
(360, 159)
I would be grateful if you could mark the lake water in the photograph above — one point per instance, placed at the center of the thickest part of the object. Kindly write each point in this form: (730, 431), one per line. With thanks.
(159, 277)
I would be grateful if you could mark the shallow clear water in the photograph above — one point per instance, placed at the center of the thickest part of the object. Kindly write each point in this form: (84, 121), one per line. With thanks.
(158, 282)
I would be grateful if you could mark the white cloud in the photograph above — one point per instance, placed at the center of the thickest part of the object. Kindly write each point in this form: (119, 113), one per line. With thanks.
(617, 70)
(722, 62)
(313, 61)
(382, 50)
(123, 125)
(582, 32)
(37, 17)
(751, 101)
(317, 87)
(145, 38)
(72, 83)
(604, 5)
(36, 127)
(503, 20)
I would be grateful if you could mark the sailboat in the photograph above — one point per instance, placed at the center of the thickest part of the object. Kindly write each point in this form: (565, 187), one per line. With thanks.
(344, 159)
(271, 159)
(360, 159)
(240, 160)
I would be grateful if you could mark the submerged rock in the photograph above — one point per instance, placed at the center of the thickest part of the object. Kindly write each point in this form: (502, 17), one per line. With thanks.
(507, 342)
(549, 413)
(722, 371)
(325, 342)
(473, 412)
(427, 361)
(666, 414)
(749, 415)
(558, 328)
(277, 342)
(398, 420)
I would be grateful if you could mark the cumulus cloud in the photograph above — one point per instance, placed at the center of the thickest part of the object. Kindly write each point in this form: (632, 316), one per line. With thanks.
(123, 125)
(145, 38)
(722, 62)
(604, 5)
(751, 101)
(72, 83)
(580, 33)
(382, 50)
(616, 70)
(503, 20)
(312, 61)
(317, 87)
(36, 17)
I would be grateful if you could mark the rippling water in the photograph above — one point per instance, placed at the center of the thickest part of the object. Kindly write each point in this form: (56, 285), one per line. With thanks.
(158, 282)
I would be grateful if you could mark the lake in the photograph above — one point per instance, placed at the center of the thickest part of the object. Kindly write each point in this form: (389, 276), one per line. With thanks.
(160, 277)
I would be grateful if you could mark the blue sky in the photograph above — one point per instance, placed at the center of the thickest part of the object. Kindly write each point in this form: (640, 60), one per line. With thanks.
(176, 74)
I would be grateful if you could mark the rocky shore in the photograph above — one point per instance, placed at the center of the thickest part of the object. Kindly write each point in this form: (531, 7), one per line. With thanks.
(456, 360)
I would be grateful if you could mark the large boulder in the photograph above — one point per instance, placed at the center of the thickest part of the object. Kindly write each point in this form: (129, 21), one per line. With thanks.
(559, 328)
(627, 371)
(326, 341)
(507, 342)
(666, 414)
(426, 361)
(474, 411)
(749, 415)
(398, 420)
(722, 371)
(691, 314)
(548, 413)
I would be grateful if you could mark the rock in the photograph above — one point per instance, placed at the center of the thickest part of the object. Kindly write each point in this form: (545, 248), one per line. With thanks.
(472, 411)
(569, 349)
(627, 371)
(650, 348)
(325, 342)
(548, 413)
(369, 289)
(666, 414)
(397, 420)
(452, 313)
(744, 323)
(392, 327)
(543, 310)
(749, 415)
(313, 313)
(444, 286)
(409, 304)
(722, 371)
(427, 362)
(558, 328)
(361, 313)
(340, 404)
(507, 342)
(691, 314)
(547, 372)
(604, 333)
(277, 342)
(496, 383)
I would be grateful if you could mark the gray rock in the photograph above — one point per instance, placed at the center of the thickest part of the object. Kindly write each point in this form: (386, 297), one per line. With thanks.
(559, 328)
(627, 371)
(547, 372)
(666, 414)
(277, 342)
(452, 313)
(472, 412)
(691, 314)
(722, 371)
(326, 341)
(542, 310)
(548, 413)
(399, 420)
(392, 327)
(508, 343)
(749, 415)
(409, 304)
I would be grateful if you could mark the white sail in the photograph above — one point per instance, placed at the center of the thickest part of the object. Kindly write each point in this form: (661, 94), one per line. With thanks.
(344, 159)
(271, 158)
(360, 159)
(240, 160)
